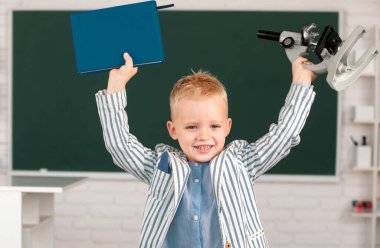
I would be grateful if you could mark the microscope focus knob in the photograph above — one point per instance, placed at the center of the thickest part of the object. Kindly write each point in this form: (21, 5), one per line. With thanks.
(288, 42)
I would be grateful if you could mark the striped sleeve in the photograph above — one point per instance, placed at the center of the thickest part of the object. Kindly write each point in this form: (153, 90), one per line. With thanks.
(126, 151)
(260, 156)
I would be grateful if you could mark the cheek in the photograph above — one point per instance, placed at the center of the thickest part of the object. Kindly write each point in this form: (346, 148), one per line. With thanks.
(185, 138)
(221, 138)
(185, 144)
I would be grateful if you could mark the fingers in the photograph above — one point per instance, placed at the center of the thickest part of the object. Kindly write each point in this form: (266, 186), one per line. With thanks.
(314, 76)
(128, 60)
(135, 69)
(302, 60)
(128, 66)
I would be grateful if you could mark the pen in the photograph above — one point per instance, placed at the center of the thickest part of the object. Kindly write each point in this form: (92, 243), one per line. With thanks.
(354, 141)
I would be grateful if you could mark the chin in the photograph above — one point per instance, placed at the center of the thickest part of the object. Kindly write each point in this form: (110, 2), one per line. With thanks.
(203, 159)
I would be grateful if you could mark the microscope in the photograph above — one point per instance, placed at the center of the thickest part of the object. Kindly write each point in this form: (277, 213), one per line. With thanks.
(332, 51)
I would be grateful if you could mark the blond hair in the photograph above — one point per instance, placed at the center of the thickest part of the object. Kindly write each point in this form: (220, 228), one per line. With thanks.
(199, 84)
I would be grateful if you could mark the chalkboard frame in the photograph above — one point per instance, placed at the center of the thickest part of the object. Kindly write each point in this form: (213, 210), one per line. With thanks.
(282, 177)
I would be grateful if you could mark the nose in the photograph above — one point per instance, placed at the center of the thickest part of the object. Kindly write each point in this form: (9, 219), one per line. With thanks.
(203, 134)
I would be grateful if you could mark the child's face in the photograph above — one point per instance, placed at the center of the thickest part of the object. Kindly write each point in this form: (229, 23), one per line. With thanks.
(201, 127)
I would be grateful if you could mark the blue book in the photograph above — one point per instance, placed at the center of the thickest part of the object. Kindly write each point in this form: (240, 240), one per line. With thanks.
(102, 36)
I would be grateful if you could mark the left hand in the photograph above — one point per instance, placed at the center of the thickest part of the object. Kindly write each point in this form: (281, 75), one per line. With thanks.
(118, 78)
(300, 74)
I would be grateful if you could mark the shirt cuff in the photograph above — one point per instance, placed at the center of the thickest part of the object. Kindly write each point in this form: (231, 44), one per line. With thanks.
(305, 85)
(113, 101)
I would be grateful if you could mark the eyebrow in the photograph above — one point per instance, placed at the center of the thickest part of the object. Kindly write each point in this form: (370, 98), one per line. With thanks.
(196, 122)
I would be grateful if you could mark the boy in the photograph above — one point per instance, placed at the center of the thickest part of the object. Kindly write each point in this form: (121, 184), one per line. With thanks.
(203, 195)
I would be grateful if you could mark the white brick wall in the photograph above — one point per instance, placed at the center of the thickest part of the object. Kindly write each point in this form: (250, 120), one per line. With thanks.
(100, 214)
(107, 214)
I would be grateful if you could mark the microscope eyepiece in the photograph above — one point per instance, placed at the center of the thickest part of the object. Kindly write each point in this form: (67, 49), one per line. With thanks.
(268, 35)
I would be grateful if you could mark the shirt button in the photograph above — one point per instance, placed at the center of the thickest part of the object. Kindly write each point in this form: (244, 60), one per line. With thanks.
(196, 180)
(195, 217)
(228, 245)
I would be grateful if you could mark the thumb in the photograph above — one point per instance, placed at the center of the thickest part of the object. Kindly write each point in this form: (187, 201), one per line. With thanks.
(128, 60)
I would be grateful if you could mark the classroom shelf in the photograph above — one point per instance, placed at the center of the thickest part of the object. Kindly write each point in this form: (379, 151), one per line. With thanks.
(362, 215)
(365, 121)
(372, 74)
(366, 214)
(365, 169)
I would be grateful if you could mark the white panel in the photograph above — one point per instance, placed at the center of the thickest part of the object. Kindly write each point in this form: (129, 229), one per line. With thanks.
(10, 219)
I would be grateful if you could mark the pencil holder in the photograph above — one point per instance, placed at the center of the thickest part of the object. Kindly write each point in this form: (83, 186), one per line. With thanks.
(363, 156)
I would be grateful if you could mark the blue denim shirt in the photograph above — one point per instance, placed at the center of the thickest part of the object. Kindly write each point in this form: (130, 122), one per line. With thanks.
(196, 223)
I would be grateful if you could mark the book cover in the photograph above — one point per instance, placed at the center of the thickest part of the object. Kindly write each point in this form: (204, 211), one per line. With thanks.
(102, 36)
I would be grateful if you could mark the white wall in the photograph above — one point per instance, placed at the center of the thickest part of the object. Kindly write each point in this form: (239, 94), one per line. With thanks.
(107, 213)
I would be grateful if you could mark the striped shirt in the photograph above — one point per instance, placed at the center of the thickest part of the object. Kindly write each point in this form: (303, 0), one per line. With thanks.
(233, 171)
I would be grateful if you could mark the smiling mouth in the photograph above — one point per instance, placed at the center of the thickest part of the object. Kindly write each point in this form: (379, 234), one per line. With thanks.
(204, 148)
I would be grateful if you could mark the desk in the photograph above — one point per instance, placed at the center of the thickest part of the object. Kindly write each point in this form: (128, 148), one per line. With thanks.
(27, 209)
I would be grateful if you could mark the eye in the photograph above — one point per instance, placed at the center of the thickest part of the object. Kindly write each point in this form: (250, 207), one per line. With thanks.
(191, 127)
(214, 126)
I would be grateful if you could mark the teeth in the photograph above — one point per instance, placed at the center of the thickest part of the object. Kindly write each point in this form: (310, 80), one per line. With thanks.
(203, 147)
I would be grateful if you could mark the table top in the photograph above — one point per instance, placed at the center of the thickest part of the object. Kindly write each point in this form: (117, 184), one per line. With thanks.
(38, 184)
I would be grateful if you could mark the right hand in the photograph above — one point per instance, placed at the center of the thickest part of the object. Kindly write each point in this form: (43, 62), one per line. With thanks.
(300, 74)
(118, 78)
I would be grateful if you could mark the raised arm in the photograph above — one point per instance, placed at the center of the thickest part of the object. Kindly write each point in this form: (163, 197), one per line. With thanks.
(126, 151)
(260, 156)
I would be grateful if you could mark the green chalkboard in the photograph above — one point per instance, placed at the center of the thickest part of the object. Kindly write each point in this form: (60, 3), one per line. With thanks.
(55, 121)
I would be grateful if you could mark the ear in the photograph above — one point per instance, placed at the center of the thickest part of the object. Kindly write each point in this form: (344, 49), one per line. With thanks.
(171, 130)
(229, 125)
